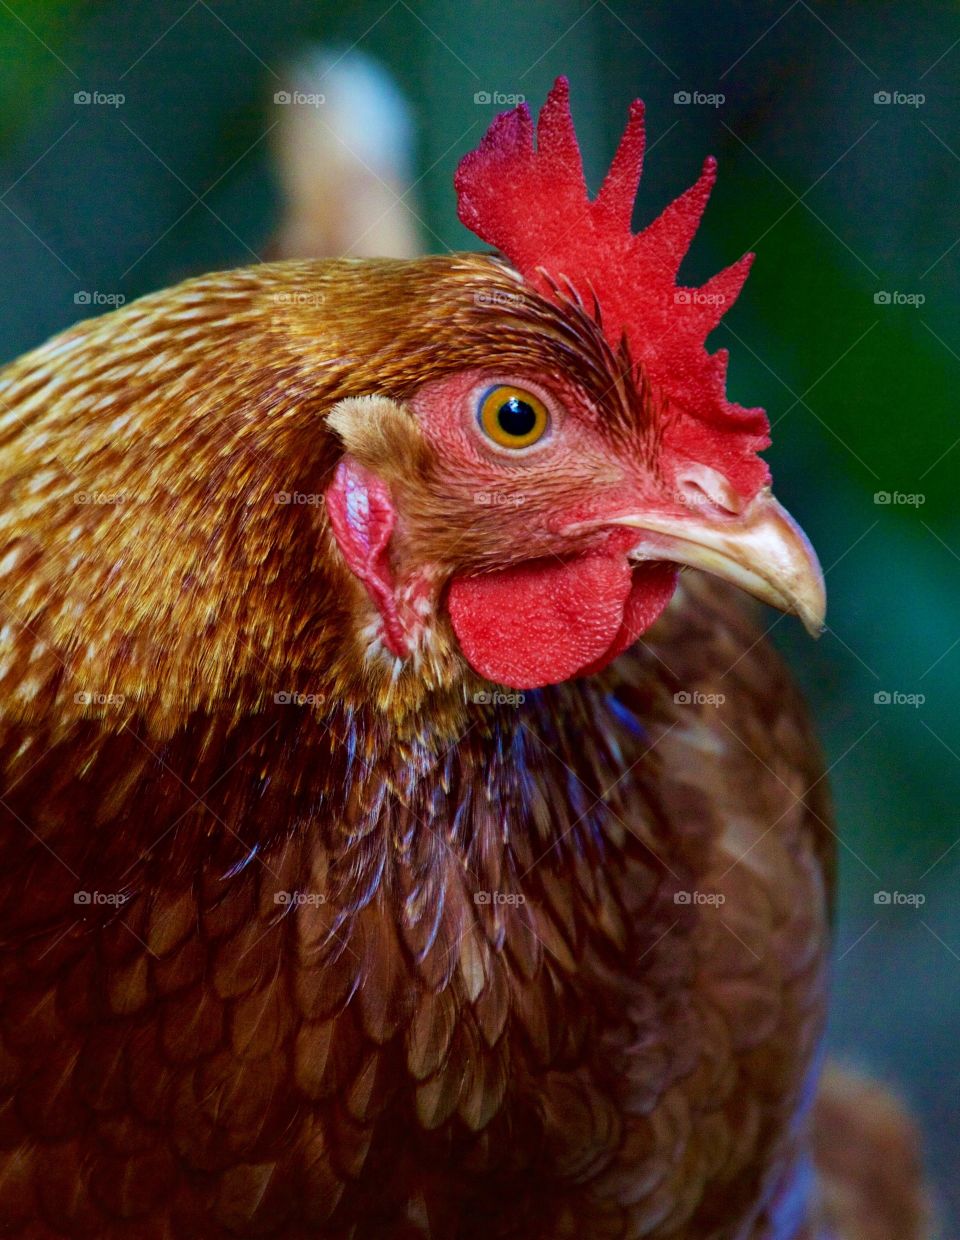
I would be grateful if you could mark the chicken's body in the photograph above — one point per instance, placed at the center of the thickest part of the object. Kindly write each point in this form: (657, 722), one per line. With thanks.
(381, 1050)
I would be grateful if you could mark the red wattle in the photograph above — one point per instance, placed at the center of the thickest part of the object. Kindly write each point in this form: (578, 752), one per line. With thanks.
(652, 589)
(543, 621)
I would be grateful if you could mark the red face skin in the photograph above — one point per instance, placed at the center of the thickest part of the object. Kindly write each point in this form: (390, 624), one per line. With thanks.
(553, 601)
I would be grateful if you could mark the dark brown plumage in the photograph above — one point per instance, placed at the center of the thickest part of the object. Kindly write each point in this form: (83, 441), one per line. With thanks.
(206, 1062)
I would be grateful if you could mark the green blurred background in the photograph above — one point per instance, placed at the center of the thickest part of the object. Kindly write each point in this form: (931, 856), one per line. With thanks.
(843, 196)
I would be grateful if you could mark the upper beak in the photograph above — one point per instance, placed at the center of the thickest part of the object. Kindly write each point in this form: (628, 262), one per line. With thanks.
(761, 549)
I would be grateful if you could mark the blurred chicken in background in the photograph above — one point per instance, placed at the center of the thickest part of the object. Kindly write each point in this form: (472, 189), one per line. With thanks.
(344, 159)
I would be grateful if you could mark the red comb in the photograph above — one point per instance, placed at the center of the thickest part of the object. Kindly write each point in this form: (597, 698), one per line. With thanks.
(532, 205)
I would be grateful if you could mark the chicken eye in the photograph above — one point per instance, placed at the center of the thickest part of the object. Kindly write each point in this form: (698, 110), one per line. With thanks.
(512, 417)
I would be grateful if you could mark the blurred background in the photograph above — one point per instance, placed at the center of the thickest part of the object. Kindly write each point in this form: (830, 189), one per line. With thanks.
(143, 143)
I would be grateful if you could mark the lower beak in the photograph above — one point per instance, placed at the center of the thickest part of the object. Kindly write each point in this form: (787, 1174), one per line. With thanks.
(761, 549)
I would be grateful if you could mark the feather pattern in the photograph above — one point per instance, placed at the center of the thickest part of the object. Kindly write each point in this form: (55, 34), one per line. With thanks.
(263, 1058)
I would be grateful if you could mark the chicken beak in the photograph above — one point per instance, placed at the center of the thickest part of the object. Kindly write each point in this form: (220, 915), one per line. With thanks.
(760, 549)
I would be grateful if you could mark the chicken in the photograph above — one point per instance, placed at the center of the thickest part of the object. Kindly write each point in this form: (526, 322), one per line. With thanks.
(395, 842)
(343, 158)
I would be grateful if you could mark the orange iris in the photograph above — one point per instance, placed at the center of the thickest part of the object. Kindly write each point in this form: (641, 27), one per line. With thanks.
(513, 417)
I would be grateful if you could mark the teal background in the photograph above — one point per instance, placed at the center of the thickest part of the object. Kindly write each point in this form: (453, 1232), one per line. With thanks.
(841, 198)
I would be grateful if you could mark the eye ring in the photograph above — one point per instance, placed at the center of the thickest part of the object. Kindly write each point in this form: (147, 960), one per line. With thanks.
(512, 417)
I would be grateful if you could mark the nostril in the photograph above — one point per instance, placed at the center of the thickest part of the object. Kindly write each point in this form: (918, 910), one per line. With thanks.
(702, 487)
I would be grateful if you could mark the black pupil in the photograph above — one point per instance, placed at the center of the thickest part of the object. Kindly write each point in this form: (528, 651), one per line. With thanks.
(516, 417)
